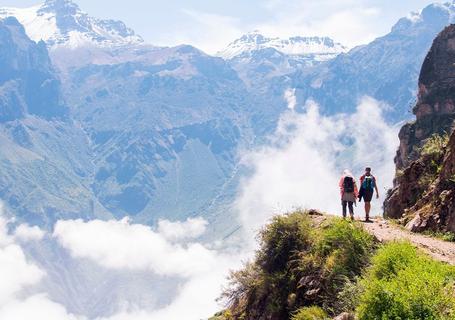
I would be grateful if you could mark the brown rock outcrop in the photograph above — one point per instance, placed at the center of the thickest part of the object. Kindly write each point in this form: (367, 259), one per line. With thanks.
(435, 108)
(424, 189)
(436, 210)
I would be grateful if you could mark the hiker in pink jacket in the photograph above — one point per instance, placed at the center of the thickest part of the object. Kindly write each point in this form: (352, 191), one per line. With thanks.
(349, 193)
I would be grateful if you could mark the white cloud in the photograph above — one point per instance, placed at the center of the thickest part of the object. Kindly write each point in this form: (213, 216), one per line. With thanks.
(18, 274)
(189, 229)
(36, 307)
(15, 272)
(121, 245)
(301, 165)
(26, 233)
(209, 32)
(291, 99)
(196, 298)
(350, 22)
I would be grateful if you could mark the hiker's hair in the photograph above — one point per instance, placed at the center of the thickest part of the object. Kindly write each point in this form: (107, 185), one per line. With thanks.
(368, 169)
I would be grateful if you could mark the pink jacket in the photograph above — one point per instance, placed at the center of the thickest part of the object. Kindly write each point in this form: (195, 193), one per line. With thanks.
(341, 184)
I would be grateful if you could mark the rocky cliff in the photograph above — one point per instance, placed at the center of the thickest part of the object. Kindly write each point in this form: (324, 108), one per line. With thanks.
(27, 82)
(424, 192)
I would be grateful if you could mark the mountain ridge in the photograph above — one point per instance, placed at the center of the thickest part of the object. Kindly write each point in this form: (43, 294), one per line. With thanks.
(62, 23)
(321, 48)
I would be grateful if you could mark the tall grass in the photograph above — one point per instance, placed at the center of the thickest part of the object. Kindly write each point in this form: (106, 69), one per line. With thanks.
(402, 283)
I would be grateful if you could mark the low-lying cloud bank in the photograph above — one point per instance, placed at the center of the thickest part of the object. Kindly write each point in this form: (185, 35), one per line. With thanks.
(121, 245)
(18, 274)
(302, 164)
(169, 251)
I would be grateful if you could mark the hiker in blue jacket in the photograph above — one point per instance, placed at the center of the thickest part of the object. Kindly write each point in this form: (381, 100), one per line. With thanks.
(368, 185)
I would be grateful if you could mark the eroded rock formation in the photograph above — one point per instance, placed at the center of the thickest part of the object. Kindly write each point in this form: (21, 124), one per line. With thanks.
(424, 190)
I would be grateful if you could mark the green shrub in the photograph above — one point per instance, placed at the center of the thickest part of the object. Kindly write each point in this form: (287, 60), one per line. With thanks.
(434, 146)
(346, 247)
(244, 286)
(266, 285)
(282, 239)
(348, 298)
(446, 236)
(405, 284)
(301, 262)
(310, 313)
(223, 315)
(392, 258)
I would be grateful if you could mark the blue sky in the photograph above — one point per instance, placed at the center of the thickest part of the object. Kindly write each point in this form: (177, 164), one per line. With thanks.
(212, 24)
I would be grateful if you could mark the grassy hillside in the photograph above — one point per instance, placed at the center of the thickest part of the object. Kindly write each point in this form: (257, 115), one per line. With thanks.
(315, 267)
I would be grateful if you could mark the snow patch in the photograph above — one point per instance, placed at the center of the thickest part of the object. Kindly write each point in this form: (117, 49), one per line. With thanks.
(40, 23)
(323, 48)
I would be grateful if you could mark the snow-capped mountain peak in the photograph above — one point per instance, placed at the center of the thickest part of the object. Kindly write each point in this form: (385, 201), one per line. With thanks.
(323, 47)
(62, 23)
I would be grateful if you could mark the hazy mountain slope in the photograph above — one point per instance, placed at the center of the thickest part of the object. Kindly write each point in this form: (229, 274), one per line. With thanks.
(257, 58)
(164, 129)
(386, 69)
(163, 124)
(44, 158)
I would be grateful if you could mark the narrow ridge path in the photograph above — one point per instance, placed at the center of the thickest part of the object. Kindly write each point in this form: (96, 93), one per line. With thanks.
(439, 249)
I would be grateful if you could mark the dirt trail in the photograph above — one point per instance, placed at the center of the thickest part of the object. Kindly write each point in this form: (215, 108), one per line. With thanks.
(438, 249)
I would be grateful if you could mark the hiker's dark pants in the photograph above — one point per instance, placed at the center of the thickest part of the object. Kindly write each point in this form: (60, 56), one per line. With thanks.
(349, 204)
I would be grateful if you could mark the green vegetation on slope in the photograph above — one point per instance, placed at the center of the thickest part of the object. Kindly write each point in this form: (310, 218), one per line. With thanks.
(402, 283)
(299, 264)
(435, 145)
(310, 313)
(318, 267)
(432, 155)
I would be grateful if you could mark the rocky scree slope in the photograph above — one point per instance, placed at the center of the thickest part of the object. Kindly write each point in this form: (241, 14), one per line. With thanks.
(424, 192)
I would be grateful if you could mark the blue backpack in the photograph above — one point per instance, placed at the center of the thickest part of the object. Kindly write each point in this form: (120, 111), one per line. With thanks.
(368, 183)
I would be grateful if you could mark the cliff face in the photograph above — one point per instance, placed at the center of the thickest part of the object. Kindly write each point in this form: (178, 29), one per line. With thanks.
(435, 108)
(28, 85)
(424, 191)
